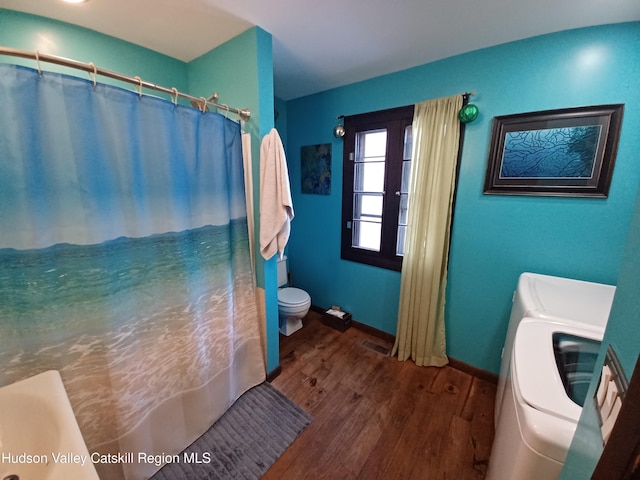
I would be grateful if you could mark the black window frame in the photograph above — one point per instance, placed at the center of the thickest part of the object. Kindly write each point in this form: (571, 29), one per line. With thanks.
(394, 120)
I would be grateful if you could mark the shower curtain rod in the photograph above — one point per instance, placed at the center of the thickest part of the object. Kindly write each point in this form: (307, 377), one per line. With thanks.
(243, 113)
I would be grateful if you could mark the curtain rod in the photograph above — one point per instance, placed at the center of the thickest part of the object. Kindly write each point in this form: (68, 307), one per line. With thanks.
(200, 102)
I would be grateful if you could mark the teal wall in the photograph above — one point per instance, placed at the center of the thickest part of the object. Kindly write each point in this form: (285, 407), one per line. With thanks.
(30, 32)
(241, 71)
(495, 238)
(281, 122)
(623, 335)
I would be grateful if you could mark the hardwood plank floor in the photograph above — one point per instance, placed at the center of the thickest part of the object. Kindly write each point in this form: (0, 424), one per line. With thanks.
(377, 418)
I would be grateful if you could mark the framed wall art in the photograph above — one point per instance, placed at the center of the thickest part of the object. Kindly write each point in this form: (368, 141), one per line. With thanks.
(316, 169)
(566, 152)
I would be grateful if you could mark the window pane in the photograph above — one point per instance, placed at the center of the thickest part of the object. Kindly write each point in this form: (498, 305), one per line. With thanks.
(406, 171)
(408, 143)
(371, 149)
(369, 177)
(404, 201)
(371, 145)
(367, 205)
(404, 191)
(367, 235)
(400, 243)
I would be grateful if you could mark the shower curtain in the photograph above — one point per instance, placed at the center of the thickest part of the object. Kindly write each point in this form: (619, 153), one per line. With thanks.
(124, 262)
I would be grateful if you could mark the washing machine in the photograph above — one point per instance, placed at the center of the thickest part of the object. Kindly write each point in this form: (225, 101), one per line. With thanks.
(551, 367)
(563, 300)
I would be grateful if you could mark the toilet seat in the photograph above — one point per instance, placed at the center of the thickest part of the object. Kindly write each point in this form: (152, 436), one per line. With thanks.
(292, 297)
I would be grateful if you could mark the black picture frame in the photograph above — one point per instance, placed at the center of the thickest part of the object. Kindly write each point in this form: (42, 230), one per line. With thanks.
(565, 152)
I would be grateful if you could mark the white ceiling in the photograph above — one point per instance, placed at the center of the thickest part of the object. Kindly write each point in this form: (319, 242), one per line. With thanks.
(322, 44)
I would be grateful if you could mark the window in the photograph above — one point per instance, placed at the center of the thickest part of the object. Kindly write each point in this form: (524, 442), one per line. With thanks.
(376, 164)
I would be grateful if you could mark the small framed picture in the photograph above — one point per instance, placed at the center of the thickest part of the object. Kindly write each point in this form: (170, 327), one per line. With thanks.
(316, 169)
(566, 152)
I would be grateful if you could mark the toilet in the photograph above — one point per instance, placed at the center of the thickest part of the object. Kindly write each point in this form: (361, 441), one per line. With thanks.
(293, 303)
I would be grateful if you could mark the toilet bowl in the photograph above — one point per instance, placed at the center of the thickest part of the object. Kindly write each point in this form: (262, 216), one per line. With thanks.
(293, 303)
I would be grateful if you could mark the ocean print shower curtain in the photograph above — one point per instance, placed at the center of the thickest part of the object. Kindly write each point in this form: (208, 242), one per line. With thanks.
(124, 261)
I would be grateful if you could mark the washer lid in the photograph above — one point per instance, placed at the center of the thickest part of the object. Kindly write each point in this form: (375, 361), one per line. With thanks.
(538, 376)
(575, 300)
(292, 296)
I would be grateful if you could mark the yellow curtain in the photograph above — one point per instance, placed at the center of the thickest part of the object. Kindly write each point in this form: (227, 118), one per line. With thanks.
(421, 329)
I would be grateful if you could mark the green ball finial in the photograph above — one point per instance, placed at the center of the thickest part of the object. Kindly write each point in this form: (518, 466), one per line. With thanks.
(468, 113)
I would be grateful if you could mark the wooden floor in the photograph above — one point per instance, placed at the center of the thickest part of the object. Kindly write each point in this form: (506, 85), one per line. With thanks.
(377, 418)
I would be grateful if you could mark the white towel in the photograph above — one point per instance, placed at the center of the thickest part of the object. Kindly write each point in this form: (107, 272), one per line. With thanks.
(276, 207)
(248, 191)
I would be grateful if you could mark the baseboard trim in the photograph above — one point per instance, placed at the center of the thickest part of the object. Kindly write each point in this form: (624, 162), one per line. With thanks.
(453, 363)
(373, 331)
(475, 371)
(361, 326)
(273, 374)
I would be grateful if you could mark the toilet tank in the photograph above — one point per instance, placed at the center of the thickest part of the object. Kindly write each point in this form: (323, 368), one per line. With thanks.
(282, 271)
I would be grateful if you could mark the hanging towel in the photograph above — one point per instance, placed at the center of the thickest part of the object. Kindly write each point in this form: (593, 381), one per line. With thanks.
(248, 192)
(276, 207)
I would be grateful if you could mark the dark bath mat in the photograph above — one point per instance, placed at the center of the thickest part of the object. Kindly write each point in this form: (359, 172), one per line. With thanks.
(244, 442)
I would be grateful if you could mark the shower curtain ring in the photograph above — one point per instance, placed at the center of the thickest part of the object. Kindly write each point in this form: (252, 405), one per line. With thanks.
(95, 73)
(203, 105)
(139, 85)
(174, 97)
(38, 62)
